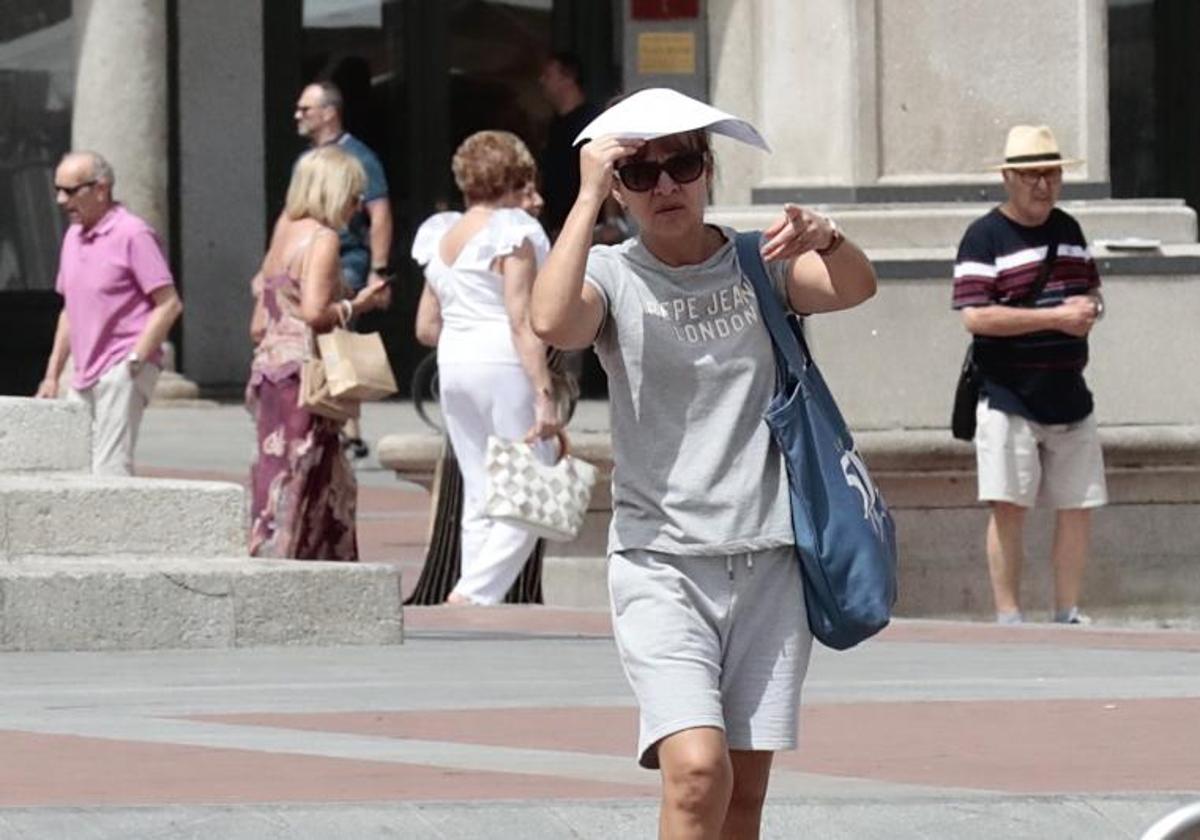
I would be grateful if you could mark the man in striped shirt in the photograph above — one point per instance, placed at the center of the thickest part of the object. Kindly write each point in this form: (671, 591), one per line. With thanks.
(1036, 433)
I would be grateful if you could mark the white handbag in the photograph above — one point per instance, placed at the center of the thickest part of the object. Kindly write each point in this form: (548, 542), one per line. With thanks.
(549, 500)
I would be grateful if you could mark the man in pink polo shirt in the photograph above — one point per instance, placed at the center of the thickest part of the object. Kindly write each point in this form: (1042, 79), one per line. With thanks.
(119, 304)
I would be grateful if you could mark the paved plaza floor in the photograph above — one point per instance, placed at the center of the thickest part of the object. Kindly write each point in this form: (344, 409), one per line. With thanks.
(516, 722)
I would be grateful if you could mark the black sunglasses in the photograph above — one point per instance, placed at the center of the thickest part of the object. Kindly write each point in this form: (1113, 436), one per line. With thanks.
(642, 175)
(70, 191)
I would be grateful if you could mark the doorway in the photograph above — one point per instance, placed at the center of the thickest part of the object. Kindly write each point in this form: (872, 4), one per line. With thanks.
(1154, 118)
(418, 77)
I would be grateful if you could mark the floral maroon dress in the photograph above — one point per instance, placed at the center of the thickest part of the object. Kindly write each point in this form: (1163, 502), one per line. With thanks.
(303, 490)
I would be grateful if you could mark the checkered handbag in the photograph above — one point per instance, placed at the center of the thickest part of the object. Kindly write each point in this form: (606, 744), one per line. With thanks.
(549, 500)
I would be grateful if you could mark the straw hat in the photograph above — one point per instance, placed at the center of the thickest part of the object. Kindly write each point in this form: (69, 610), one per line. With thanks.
(1032, 147)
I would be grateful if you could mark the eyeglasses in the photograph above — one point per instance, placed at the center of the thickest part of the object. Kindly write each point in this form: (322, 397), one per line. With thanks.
(71, 191)
(642, 175)
(1032, 176)
(304, 109)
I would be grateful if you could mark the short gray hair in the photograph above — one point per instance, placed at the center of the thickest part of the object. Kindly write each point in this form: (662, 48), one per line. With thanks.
(331, 95)
(101, 169)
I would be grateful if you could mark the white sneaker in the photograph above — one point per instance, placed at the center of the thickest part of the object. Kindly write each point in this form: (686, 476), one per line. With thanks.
(1071, 616)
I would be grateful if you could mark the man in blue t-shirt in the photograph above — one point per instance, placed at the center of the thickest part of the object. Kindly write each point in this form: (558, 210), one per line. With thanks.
(1036, 432)
(366, 242)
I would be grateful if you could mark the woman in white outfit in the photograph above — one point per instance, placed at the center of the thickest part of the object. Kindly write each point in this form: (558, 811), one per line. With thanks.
(492, 371)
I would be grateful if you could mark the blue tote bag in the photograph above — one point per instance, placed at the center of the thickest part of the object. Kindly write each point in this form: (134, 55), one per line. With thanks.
(845, 536)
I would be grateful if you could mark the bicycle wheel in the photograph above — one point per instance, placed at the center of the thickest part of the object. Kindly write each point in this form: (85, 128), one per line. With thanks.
(424, 391)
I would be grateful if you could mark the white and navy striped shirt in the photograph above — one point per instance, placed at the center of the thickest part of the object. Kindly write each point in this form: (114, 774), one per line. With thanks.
(1037, 375)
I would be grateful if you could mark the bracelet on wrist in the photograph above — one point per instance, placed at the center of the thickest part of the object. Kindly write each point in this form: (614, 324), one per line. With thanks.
(835, 239)
(835, 242)
(344, 312)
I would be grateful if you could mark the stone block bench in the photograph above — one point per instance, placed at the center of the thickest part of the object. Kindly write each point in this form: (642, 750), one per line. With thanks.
(128, 563)
(1145, 546)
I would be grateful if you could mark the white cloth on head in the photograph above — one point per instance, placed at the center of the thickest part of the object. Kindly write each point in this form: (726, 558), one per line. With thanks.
(657, 112)
(475, 326)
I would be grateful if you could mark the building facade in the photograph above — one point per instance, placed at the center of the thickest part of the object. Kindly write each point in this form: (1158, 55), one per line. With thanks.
(863, 101)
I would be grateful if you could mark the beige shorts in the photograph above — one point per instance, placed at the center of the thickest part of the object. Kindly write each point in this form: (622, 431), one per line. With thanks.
(1022, 461)
(712, 641)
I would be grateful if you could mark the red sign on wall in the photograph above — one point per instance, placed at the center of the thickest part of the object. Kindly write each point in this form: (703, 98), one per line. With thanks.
(664, 9)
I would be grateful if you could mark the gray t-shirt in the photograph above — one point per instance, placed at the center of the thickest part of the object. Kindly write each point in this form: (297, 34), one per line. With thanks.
(690, 372)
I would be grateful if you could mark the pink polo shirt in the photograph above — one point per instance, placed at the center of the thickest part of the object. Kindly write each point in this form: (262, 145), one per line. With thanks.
(106, 275)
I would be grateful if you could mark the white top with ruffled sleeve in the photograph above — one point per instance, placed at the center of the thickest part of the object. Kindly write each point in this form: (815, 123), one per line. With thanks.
(475, 325)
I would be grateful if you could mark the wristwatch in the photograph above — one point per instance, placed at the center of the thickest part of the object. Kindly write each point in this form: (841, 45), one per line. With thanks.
(135, 362)
(835, 240)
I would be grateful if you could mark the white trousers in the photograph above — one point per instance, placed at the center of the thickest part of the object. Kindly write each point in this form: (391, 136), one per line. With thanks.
(116, 403)
(480, 400)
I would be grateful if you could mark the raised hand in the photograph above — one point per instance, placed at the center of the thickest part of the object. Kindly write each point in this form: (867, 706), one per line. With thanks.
(796, 231)
(597, 161)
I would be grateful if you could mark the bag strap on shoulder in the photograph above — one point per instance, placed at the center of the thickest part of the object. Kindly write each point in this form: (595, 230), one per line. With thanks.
(1043, 277)
(787, 342)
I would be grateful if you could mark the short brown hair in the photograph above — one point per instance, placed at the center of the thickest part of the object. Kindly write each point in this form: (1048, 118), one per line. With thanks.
(489, 164)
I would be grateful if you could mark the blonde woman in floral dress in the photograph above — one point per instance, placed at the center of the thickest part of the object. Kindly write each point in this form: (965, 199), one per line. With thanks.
(303, 491)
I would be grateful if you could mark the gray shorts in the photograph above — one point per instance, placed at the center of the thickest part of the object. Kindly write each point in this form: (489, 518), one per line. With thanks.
(712, 641)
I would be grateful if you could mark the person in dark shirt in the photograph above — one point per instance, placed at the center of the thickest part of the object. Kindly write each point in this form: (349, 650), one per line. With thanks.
(1036, 432)
(562, 83)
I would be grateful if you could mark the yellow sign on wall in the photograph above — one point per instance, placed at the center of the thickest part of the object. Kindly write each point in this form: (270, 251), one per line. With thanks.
(667, 53)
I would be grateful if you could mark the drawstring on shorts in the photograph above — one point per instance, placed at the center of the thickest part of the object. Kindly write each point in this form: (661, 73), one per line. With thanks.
(729, 564)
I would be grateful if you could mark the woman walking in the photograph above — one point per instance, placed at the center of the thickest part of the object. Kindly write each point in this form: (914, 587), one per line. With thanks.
(492, 370)
(707, 600)
(303, 492)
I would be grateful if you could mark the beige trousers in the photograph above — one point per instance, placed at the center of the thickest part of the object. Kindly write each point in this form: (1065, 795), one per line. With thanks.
(116, 403)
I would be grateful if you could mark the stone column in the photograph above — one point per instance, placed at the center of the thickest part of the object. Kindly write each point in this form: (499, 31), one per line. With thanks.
(121, 111)
(121, 98)
(222, 191)
(734, 86)
(804, 72)
(872, 100)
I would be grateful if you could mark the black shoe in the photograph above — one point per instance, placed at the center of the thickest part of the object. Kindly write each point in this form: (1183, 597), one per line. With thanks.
(357, 448)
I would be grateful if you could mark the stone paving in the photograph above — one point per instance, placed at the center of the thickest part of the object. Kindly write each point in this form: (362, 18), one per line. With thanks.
(517, 722)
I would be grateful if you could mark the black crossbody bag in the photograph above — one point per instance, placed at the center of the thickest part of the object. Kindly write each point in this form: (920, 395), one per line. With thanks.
(966, 393)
